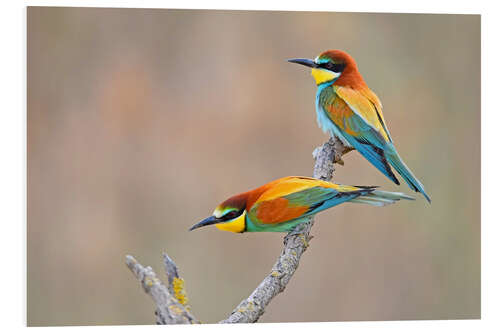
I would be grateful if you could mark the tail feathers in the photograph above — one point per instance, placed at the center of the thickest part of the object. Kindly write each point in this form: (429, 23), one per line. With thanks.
(381, 198)
(397, 163)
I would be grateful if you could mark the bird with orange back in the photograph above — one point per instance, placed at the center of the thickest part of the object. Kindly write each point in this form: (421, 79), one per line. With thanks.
(284, 203)
(349, 110)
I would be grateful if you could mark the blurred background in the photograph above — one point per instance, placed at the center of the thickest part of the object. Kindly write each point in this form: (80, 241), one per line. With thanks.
(141, 121)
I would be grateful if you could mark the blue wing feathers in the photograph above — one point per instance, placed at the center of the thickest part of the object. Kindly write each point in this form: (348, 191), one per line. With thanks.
(374, 155)
(367, 141)
(321, 198)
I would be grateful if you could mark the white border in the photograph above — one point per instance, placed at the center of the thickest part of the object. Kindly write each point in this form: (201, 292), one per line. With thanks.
(425, 6)
(13, 153)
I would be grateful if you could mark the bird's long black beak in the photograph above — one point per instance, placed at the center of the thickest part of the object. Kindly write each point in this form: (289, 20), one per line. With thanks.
(305, 62)
(208, 221)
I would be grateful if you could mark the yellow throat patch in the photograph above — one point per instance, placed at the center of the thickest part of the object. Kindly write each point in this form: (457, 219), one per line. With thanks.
(323, 75)
(236, 225)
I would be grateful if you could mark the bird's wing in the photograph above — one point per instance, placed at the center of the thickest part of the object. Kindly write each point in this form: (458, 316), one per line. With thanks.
(356, 116)
(373, 98)
(367, 112)
(367, 132)
(297, 198)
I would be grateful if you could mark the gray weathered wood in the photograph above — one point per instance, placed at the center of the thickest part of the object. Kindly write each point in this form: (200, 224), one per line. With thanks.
(168, 308)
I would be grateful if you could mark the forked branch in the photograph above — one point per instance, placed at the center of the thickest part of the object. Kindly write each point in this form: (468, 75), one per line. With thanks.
(171, 300)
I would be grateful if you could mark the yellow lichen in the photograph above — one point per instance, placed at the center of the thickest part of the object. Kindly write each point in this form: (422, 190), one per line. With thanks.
(178, 311)
(148, 282)
(248, 307)
(179, 291)
(304, 241)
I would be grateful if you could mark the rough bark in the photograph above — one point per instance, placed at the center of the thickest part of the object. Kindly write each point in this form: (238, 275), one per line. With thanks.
(171, 301)
(169, 309)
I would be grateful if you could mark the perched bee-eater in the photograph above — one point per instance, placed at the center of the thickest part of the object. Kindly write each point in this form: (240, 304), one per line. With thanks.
(286, 202)
(349, 110)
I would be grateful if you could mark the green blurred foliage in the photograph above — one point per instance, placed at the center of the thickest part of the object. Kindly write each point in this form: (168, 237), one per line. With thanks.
(141, 121)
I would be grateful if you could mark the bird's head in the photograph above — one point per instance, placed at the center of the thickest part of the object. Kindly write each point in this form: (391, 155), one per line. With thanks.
(331, 66)
(229, 215)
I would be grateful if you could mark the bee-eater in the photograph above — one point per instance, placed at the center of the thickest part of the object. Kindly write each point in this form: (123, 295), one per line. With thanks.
(349, 110)
(286, 202)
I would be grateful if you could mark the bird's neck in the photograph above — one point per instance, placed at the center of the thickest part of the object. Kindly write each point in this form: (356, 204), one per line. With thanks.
(324, 85)
(253, 195)
(351, 78)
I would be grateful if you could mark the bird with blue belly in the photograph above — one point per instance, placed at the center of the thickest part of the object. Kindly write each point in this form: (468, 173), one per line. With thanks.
(349, 110)
(284, 203)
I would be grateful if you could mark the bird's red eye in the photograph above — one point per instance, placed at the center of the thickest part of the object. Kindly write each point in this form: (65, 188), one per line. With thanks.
(232, 214)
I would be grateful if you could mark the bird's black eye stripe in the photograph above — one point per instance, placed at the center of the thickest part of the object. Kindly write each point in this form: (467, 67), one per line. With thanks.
(231, 215)
(337, 68)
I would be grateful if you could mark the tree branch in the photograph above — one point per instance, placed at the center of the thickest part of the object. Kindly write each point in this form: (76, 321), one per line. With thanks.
(171, 301)
(296, 243)
(170, 308)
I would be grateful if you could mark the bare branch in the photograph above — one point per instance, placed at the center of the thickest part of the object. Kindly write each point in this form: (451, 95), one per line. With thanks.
(171, 301)
(296, 242)
(169, 309)
(171, 271)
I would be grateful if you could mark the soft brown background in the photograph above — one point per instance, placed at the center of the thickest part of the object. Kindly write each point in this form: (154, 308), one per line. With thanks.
(141, 121)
